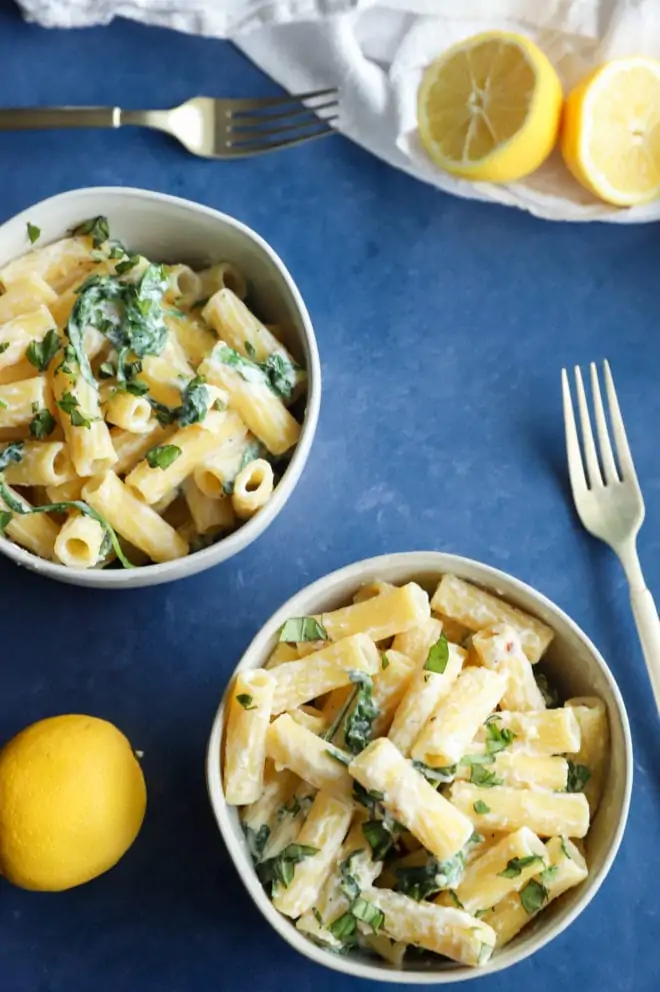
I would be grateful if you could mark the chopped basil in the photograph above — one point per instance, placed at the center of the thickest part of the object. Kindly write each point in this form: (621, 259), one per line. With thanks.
(567, 853)
(477, 759)
(281, 375)
(42, 424)
(533, 896)
(329, 734)
(480, 807)
(475, 838)
(384, 661)
(438, 656)
(4, 346)
(129, 314)
(162, 456)
(549, 873)
(33, 232)
(549, 693)
(107, 370)
(367, 913)
(96, 227)
(578, 776)
(299, 804)
(336, 755)
(379, 838)
(195, 402)
(251, 351)
(3, 405)
(436, 776)
(5, 518)
(370, 799)
(12, 453)
(480, 913)
(41, 353)
(350, 885)
(482, 776)
(497, 738)
(317, 916)
(219, 405)
(281, 869)
(423, 881)
(277, 372)
(246, 701)
(136, 388)
(344, 928)
(128, 263)
(454, 898)
(359, 724)
(302, 629)
(515, 865)
(257, 840)
(165, 415)
(69, 404)
(62, 507)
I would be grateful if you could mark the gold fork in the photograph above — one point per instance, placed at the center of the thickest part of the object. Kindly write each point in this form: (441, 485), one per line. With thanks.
(212, 128)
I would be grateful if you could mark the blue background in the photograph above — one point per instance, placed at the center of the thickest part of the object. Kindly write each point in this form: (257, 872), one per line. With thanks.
(442, 326)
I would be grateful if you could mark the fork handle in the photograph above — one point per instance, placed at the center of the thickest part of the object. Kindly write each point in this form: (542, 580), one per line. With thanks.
(28, 118)
(648, 628)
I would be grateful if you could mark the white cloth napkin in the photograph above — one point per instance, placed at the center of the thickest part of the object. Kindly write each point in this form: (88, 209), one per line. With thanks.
(375, 50)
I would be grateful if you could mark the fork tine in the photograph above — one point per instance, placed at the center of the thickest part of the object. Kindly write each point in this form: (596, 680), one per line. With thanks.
(575, 466)
(606, 454)
(239, 136)
(251, 120)
(622, 448)
(246, 106)
(244, 148)
(593, 468)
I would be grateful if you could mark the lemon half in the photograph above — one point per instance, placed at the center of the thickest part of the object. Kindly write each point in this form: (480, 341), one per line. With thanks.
(490, 107)
(611, 132)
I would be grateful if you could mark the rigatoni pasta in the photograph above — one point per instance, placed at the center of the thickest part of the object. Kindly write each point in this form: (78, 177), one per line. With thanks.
(404, 802)
(105, 355)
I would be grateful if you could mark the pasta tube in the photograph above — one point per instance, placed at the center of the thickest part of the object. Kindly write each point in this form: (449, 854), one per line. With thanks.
(477, 609)
(133, 519)
(546, 813)
(440, 827)
(245, 745)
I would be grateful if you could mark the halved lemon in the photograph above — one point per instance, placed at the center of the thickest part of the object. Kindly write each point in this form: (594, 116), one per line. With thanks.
(489, 108)
(610, 137)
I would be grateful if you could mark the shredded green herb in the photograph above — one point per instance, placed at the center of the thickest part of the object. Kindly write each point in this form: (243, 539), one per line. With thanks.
(578, 776)
(257, 840)
(33, 232)
(162, 456)
(41, 353)
(281, 869)
(42, 424)
(533, 896)
(300, 629)
(423, 881)
(515, 866)
(438, 656)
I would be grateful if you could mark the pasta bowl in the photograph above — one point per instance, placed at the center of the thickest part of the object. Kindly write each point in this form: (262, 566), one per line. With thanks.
(168, 229)
(572, 664)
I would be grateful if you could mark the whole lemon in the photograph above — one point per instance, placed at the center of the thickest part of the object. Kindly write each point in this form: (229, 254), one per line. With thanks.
(72, 801)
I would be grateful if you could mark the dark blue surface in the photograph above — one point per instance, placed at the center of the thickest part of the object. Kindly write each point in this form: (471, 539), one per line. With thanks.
(442, 326)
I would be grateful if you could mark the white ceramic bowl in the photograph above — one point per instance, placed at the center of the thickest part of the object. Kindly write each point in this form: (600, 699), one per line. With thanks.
(574, 665)
(169, 229)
